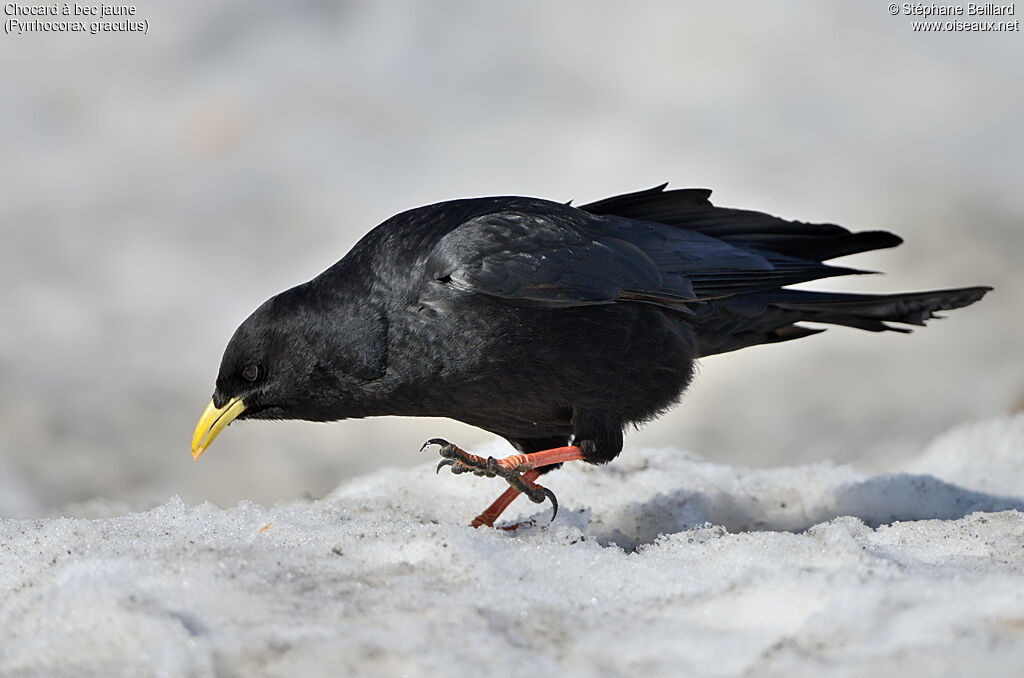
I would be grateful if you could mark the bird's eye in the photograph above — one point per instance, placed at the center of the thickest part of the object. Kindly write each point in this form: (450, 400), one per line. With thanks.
(250, 372)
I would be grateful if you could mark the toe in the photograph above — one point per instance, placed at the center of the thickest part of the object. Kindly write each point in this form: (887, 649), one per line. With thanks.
(554, 502)
(441, 442)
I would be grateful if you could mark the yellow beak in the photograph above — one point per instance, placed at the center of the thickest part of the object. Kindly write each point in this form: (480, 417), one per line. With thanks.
(212, 422)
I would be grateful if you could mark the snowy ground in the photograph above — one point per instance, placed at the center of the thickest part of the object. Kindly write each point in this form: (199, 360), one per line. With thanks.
(659, 564)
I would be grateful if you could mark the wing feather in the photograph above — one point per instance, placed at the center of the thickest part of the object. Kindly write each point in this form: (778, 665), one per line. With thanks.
(555, 255)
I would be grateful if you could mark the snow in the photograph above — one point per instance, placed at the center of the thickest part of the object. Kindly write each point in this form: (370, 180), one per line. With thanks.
(660, 563)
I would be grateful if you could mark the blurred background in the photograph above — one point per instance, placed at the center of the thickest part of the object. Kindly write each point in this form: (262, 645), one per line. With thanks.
(154, 189)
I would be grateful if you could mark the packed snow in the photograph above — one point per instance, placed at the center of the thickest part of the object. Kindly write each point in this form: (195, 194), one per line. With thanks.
(661, 563)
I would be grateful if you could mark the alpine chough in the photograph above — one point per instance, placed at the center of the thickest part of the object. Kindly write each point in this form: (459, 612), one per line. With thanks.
(549, 325)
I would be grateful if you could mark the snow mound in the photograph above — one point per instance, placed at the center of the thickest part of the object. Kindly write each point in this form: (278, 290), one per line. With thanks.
(660, 563)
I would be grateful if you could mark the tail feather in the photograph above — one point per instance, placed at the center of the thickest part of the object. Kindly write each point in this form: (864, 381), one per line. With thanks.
(872, 311)
(734, 305)
(747, 320)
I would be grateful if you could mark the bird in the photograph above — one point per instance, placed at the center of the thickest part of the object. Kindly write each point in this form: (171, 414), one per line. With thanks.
(552, 326)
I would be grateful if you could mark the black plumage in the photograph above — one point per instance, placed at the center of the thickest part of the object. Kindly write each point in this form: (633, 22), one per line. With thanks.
(544, 323)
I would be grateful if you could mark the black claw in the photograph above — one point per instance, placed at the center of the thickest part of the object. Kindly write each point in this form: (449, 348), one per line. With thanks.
(435, 441)
(457, 466)
(554, 503)
(538, 493)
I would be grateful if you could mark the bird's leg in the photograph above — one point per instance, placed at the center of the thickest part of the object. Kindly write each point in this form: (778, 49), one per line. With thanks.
(491, 513)
(517, 470)
(512, 465)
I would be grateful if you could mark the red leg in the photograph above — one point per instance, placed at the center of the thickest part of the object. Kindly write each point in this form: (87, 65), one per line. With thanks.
(517, 470)
(492, 512)
(462, 461)
(527, 462)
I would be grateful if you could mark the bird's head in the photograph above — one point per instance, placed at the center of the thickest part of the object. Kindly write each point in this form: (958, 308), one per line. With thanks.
(298, 356)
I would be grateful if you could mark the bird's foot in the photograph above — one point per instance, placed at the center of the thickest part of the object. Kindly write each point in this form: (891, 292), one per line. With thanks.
(461, 461)
(518, 470)
(491, 513)
(513, 469)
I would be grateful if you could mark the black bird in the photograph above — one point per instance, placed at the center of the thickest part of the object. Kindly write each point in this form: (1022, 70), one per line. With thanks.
(549, 325)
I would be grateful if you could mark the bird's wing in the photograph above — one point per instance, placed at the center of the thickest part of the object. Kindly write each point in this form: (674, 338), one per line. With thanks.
(691, 209)
(567, 257)
(541, 258)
